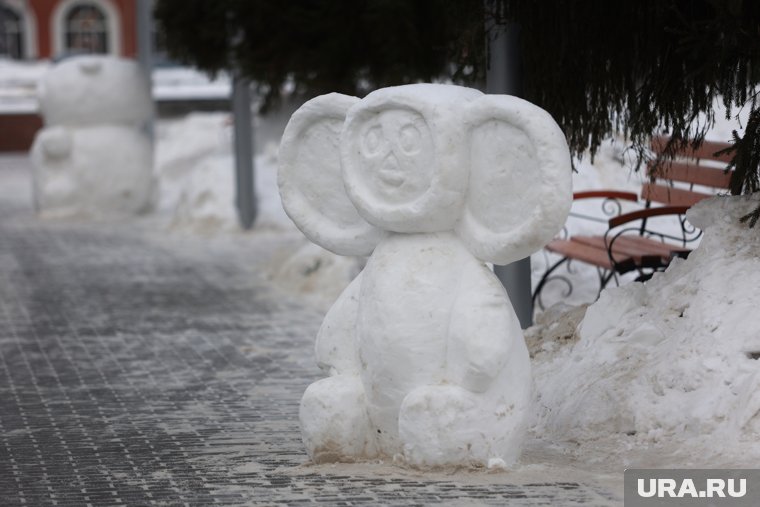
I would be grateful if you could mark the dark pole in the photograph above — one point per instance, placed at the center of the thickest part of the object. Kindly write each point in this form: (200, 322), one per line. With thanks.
(3, 37)
(503, 77)
(144, 28)
(245, 192)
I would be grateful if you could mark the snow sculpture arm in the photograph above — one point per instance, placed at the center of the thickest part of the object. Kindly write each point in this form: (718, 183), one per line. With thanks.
(481, 331)
(55, 142)
(336, 340)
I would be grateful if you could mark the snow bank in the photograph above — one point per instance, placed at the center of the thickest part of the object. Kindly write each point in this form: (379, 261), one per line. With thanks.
(674, 360)
(177, 83)
(181, 145)
(316, 274)
(196, 168)
(18, 85)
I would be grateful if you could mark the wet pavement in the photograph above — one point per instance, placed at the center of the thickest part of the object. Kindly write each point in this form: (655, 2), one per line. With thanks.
(146, 367)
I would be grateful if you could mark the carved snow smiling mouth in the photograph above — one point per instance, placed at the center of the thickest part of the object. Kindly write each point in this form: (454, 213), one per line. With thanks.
(390, 172)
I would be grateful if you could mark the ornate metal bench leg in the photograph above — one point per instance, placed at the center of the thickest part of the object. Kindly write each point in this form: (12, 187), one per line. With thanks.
(544, 279)
(605, 278)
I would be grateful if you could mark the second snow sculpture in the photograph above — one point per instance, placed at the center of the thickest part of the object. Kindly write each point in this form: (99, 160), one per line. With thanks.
(93, 157)
(425, 354)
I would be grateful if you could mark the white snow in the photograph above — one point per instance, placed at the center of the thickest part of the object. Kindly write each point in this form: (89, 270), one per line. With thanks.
(670, 364)
(176, 83)
(196, 169)
(18, 84)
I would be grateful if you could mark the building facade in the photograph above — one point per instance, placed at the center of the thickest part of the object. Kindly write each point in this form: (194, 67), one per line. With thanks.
(42, 29)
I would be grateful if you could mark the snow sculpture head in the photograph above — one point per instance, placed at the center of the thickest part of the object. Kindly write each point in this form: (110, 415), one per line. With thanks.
(94, 89)
(426, 158)
(426, 356)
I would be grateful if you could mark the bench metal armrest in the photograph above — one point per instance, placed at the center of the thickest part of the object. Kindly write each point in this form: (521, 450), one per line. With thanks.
(618, 229)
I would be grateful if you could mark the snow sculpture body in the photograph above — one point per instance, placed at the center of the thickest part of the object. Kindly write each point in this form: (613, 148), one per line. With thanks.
(425, 354)
(93, 157)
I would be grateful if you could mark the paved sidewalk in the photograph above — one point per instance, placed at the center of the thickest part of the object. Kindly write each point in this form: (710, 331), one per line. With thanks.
(140, 367)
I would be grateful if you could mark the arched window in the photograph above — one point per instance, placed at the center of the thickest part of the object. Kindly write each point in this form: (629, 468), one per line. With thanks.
(86, 30)
(11, 34)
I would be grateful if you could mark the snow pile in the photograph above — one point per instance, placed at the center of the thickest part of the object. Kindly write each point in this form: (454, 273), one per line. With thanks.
(196, 167)
(675, 360)
(177, 83)
(18, 85)
(316, 274)
(181, 145)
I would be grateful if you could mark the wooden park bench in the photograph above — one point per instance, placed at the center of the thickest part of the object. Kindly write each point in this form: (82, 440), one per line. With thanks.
(636, 241)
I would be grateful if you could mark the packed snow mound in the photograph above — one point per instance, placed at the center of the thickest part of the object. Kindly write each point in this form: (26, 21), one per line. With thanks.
(206, 200)
(18, 84)
(93, 89)
(182, 145)
(674, 360)
(318, 275)
(196, 168)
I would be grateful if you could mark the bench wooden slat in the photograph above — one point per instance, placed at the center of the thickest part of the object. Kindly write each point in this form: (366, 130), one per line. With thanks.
(637, 248)
(696, 174)
(581, 252)
(620, 251)
(705, 151)
(670, 195)
(664, 250)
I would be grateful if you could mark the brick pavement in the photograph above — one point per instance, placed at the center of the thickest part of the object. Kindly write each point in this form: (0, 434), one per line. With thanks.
(144, 368)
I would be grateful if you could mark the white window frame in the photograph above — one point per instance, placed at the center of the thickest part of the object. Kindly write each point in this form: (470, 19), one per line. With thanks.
(28, 24)
(113, 24)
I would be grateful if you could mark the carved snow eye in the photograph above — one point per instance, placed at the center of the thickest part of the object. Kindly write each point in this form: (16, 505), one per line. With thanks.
(409, 139)
(373, 140)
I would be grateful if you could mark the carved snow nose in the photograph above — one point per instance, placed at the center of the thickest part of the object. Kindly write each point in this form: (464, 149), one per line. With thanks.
(390, 170)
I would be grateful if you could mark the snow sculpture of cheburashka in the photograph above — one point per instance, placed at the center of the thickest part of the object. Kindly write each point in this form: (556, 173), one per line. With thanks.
(93, 157)
(425, 354)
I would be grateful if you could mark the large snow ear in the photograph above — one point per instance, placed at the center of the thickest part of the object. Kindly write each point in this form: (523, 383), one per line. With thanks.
(520, 188)
(311, 183)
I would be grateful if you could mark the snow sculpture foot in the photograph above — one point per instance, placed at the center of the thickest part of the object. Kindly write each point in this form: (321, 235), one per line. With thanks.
(436, 426)
(93, 158)
(334, 420)
(425, 355)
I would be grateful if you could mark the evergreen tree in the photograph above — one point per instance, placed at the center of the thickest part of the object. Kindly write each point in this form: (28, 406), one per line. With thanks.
(321, 46)
(598, 67)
